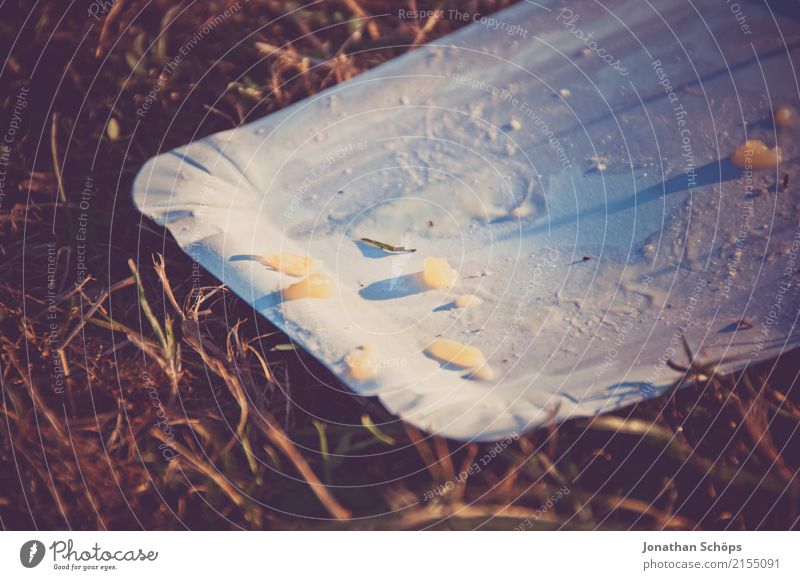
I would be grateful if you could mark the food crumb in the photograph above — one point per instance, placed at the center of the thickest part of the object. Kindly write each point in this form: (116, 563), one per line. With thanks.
(754, 154)
(361, 364)
(314, 286)
(457, 354)
(598, 163)
(290, 264)
(783, 116)
(437, 273)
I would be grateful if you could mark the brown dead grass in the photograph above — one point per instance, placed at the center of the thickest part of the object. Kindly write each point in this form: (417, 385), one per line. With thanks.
(150, 397)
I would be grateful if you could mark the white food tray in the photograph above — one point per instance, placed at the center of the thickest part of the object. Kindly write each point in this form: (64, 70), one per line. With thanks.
(515, 153)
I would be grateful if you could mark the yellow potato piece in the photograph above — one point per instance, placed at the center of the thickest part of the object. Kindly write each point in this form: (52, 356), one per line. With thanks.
(290, 264)
(437, 273)
(467, 300)
(315, 286)
(754, 154)
(361, 364)
(457, 354)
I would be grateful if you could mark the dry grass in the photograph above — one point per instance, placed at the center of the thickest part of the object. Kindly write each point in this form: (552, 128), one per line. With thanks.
(148, 397)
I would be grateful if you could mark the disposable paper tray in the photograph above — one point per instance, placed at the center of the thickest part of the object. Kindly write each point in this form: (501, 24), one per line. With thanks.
(572, 166)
